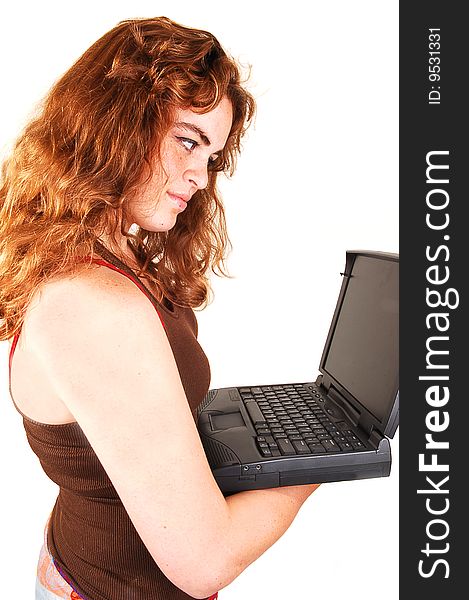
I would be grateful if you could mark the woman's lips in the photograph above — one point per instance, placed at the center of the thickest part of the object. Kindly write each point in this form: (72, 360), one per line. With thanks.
(179, 201)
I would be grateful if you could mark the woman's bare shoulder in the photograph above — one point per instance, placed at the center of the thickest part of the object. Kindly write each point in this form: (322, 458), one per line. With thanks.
(90, 282)
(93, 297)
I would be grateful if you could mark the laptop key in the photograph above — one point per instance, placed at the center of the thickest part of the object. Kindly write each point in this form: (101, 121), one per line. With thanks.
(285, 446)
(330, 446)
(255, 413)
(301, 447)
(270, 440)
(317, 448)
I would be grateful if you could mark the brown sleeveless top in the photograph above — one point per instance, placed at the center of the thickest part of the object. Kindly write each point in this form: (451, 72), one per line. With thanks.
(90, 535)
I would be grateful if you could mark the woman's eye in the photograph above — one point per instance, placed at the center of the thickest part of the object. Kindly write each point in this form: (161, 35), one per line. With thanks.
(188, 143)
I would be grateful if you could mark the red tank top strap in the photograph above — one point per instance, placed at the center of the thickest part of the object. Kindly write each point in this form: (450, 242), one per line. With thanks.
(12, 350)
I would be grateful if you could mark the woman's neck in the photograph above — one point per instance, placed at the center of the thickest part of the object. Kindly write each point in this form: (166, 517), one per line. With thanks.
(118, 245)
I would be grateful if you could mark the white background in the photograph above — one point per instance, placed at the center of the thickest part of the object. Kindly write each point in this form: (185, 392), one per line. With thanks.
(318, 175)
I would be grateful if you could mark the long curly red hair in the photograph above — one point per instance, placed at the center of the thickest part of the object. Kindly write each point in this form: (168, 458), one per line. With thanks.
(77, 164)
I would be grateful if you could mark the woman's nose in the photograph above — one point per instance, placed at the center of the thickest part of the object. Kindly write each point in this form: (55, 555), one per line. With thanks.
(198, 175)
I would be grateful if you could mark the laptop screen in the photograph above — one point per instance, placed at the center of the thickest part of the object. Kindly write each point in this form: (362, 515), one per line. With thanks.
(363, 356)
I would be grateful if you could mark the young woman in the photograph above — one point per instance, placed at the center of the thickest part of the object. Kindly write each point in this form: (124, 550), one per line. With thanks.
(110, 222)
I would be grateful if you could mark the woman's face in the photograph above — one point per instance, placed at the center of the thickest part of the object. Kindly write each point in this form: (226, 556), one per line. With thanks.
(193, 141)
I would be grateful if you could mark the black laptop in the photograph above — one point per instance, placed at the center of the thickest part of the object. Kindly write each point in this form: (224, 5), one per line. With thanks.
(335, 428)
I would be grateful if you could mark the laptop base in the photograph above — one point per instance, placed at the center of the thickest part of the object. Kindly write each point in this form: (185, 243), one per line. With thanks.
(228, 433)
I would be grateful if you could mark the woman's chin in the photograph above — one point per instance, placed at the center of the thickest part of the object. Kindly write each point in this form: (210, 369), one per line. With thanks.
(163, 225)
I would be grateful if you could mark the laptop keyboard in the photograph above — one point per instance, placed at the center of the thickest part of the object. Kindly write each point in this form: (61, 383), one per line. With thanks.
(291, 420)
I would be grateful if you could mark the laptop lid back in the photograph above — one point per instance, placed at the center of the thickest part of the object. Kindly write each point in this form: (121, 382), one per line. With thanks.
(360, 360)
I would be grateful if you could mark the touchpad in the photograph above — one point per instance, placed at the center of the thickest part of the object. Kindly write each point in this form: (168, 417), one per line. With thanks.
(227, 420)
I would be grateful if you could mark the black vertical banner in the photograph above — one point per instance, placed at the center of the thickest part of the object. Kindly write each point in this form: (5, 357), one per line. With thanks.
(434, 433)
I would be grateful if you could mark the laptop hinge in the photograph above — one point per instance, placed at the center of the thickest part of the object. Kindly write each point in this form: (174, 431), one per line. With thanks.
(352, 413)
(375, 437)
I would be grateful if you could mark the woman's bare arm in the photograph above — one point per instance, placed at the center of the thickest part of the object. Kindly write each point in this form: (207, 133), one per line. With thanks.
(106, 354)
